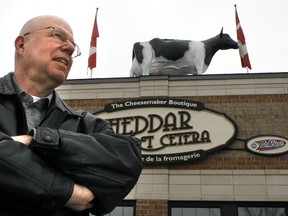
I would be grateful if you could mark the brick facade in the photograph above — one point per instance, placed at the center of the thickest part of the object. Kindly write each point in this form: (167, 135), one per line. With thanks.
(152, 208)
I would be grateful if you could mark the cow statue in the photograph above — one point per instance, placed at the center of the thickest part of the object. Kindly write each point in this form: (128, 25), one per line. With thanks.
(177, 57)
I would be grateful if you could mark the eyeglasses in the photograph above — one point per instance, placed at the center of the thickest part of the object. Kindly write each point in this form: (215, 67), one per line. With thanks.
(60, 36)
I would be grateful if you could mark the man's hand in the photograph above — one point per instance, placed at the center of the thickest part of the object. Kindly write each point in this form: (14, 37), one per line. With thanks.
(25, 139)
(81, 199)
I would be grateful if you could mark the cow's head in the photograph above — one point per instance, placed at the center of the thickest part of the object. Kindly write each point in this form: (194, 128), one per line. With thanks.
(226, 42)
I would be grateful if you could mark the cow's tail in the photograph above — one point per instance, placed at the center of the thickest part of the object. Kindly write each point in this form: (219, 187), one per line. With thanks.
(137, 58)
(133, 54)
(132, 74)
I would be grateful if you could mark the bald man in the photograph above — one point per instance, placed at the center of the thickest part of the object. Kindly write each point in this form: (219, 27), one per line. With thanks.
(56, 161)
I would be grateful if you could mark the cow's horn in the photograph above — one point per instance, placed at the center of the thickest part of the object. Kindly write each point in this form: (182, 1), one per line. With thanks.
(221, 33)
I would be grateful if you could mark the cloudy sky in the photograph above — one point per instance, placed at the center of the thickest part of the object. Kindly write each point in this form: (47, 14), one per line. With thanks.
(121, 23)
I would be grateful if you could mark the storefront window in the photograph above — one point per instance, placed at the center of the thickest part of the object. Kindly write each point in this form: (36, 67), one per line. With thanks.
(122, 211)
(253, 211)
(125, 208)
(206, 208)
(195, 212)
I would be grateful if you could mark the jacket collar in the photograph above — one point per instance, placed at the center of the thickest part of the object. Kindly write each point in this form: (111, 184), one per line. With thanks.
(63, 106)
(7, 87)
(6, 84)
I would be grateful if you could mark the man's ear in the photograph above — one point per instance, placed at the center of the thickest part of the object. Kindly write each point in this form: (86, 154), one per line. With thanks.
(19, 42)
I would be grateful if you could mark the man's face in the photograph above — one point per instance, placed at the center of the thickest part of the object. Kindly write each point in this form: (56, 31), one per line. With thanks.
(48, 53)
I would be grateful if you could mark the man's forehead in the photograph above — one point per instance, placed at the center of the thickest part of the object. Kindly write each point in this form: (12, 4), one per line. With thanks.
(46, 21)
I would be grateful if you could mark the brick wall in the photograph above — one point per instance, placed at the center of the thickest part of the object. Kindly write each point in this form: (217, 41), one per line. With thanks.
(254, 115)
(152, 208)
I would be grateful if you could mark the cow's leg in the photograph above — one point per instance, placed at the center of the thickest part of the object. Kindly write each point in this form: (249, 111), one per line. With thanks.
(136, 69)
(145, 68)
(199, 67)
(147, 60)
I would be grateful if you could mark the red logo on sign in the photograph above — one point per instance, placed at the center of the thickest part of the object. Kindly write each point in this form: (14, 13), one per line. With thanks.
(263, 145)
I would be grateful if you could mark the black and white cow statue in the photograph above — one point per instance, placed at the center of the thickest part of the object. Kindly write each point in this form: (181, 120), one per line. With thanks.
(177, 57)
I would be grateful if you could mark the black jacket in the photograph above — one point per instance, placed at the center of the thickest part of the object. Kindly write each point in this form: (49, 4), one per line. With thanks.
(68, 146)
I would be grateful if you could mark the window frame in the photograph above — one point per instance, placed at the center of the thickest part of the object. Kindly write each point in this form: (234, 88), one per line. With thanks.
(126, 203)
(227, 208)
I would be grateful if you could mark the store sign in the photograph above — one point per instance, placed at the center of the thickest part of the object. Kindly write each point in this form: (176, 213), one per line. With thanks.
(171, 130)
(267, 145)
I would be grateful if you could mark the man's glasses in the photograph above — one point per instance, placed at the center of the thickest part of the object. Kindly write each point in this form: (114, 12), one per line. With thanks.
(60, 36)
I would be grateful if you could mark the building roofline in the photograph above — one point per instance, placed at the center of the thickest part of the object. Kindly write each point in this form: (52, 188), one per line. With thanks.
(181, 77)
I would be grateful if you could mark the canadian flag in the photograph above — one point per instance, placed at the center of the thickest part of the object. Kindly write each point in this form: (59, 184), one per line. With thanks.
(242, 44)
(93, 45)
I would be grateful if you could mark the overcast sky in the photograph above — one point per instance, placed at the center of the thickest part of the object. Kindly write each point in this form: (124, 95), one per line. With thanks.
(121, 23)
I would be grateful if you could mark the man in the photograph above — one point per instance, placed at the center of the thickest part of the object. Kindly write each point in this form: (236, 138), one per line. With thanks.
(55, 161)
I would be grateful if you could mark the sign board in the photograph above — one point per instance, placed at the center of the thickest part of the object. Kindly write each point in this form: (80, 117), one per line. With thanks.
(171, 130)
(267, 145)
